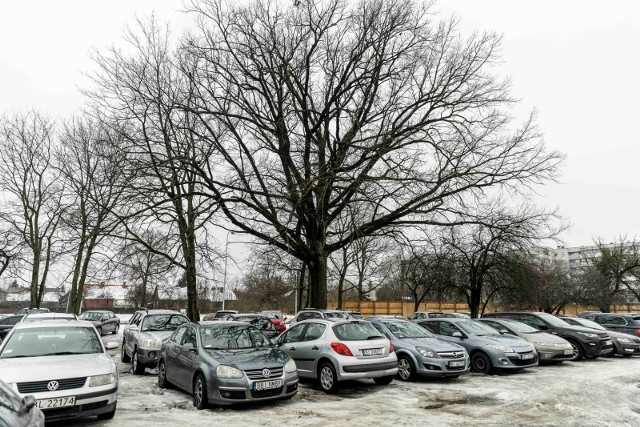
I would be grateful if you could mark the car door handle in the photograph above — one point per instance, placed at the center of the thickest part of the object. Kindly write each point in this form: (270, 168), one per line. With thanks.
(315, 348)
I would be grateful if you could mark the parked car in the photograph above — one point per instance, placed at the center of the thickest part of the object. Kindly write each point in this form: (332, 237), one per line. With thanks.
(64, 365)
(462, 315)
(33, 310)
(586, 342)
(429, 315)
(488, 349)
(333, 351)
(18, 411)
(355, 315)
(277, 318)
(623, 322)
(105, 321)
(419, 352)
(7, 324)
(317, 313)
(260, 322)
(623, 344)
(37, 317)
(218, 315)
(142, 337)
(550, 348)
(225, 362)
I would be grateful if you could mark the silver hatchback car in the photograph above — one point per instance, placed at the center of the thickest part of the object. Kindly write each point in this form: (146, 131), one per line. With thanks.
(334, 351)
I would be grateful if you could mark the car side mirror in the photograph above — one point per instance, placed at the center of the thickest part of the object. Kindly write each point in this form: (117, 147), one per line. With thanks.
(503, 331)
(28, 402)
(457, 334)
(190, 347)
(111, 345)
(543, 327)
(133, 327)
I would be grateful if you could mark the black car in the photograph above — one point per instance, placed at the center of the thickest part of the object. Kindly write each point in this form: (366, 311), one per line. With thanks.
(260, 322)
(105, 321)
(623, 344)
(625, 323)
(586, 342)
(7, 324)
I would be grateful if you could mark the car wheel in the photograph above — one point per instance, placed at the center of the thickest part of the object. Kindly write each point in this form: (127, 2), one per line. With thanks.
(99, 329)
(136, 367)
(406, 370)
(480, 362)
(200, 393)
(108, 415)
(578, 353)
(384, 380)
(124, 357)
(115, 331)
(328, 378)
(162, 375)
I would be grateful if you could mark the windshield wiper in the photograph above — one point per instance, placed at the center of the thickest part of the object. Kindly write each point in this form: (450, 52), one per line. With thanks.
(61, 353)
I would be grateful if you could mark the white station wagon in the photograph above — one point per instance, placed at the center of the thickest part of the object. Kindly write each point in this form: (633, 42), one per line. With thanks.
(64, 365)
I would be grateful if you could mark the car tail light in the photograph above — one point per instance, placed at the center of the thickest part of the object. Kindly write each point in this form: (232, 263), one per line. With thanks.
(341, 349)
(390, 347)
(637, 332)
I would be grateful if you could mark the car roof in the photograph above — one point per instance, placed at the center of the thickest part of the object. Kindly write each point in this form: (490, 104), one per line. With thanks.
(98, 311)
(50, 316)
(160, 311)
(54, 324)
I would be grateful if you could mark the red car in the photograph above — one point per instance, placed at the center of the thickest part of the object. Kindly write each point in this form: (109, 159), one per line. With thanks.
(276, 318)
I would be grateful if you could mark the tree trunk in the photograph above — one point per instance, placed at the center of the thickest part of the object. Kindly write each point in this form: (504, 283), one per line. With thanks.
(318, 281)
(192, 286)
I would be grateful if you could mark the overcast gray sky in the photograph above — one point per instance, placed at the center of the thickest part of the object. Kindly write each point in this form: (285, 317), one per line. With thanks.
(576, 62)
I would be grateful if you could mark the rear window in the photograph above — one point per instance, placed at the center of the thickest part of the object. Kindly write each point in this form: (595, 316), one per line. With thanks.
(356, 331)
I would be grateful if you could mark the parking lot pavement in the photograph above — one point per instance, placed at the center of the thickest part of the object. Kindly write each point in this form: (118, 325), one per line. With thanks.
(592, 392)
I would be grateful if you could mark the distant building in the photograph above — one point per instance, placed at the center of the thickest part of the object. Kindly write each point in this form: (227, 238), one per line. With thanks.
(104, 296)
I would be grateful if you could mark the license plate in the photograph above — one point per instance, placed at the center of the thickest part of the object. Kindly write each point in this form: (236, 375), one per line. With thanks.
(527, 356)
(266, 385)
(568, 351)
(457, 364)
(608, 342)
(58, 402)
(372, 352)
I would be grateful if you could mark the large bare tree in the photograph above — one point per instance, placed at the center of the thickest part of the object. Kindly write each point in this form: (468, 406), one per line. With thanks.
(317, 109)
(32, 192)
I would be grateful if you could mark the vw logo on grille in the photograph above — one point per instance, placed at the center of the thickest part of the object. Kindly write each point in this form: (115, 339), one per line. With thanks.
(266, 373)
(53, 385)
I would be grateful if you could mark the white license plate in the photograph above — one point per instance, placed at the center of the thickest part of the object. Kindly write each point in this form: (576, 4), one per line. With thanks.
(608, 342)
(456, 364)
(266, 385)
(372, 352)
(570, 351)
(58, 402)
(527, 356)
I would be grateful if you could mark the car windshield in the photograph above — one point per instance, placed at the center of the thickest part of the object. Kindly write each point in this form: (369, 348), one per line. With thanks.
(90, 315)
(520, 327)
(356, 331)
(408, 330)
(232, 337)
(476, 328)
(33, 310)
(590, 324)
(163, 322)
(336, 315)
(551, 319)
(51, 341)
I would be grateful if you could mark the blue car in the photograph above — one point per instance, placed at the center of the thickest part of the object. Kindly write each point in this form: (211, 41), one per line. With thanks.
(420, 353)
(488, 349)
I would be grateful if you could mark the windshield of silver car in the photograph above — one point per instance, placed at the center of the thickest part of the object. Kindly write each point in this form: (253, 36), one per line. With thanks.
(232, 337)
(90, 315)
(163, 322)
(51, 341)
(408, 330)
(476, 328)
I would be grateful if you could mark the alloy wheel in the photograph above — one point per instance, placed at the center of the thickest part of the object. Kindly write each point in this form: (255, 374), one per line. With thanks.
(404, 369)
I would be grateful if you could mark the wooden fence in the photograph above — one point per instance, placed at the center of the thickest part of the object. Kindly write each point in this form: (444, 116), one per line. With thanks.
(399, 308)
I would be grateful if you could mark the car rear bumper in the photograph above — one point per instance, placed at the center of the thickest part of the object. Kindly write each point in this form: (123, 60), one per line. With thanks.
(368, 370)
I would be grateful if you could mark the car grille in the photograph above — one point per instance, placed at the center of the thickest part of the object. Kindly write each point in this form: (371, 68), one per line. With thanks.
(256, 374)
(41, 386)
(521, 362)
(451, 354)
(604, 335)
(266, 393)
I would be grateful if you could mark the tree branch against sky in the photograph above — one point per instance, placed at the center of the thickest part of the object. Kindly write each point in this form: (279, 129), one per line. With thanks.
(319, 108)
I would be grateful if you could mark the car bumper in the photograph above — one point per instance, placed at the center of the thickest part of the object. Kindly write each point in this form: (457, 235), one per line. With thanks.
(598, 348)
(439, 367)
(554, 355)
(515, 360)
(388, 367)
(228, 392)
(627, 348)
(88, 402)
(148, 356)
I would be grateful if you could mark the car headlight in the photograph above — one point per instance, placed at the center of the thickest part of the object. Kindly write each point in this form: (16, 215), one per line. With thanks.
(625, 340)
(226, 371)
(290, 366)
(98, 380)
(588, 334)
(426, 352)
(150, 343)
(502, 348)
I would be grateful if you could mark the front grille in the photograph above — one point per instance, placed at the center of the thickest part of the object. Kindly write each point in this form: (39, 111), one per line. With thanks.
(61, 411)
(521, 362)
(41, 386)
(451, 354)
(256, 374)
(604, 335)
(266, 393)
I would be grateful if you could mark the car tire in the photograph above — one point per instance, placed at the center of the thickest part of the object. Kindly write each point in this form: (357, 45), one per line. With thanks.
(200, 392)
(162, 374)
(107, 415)
(406, 369)
(136, 366)
(328, 378)
(384, 380)
(115, 331)
(480, 362)
(124, 357)
(578, 352)
(99, 329)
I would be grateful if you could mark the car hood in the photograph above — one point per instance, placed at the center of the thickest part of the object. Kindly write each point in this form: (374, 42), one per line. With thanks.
(511, 341)
(25, 369)
(613, 334)
(158, 336)
(575, 328)
(435, 344)
(252, 358)
(543, 338)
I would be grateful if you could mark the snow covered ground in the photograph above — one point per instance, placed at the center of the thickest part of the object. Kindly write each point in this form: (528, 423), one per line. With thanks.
(589, 393)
